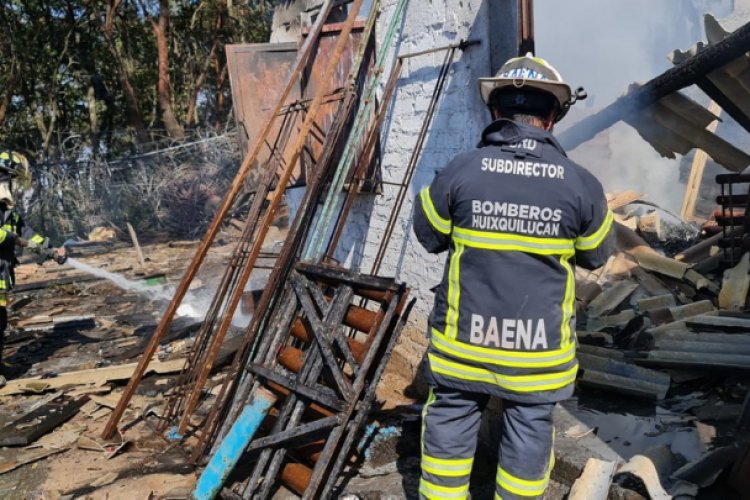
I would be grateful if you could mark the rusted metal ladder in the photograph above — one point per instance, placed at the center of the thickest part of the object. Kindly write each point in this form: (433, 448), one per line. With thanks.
(322, 363)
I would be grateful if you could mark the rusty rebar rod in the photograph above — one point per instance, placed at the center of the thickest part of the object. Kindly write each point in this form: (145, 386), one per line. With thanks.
(237, 385)
(290, 160)
(413, 160)
(200, 254)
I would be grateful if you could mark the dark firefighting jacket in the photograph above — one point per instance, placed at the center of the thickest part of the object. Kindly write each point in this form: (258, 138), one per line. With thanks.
(516, 216)
(12, 227)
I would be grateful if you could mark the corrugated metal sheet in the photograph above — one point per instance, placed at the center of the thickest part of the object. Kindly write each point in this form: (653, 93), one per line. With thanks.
(676, 124)
(730, 85)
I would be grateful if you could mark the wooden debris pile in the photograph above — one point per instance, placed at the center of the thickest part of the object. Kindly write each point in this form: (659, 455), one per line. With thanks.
(72, 342)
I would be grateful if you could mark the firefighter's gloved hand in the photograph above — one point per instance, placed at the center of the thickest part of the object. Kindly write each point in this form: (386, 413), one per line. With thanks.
(39, 247)
(56, 254)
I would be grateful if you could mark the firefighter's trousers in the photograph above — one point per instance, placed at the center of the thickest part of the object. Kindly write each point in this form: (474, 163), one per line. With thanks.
(450, 428)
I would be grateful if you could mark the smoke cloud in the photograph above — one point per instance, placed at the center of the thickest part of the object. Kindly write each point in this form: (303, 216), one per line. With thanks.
(604, 46)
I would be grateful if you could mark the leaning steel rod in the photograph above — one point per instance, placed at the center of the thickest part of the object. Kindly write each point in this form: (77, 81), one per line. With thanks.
(291, 157)
(355, 185)
(280, 273)
(200, 254)
(230, 280)
(228, 283)
(291, 249)
(315, 245)
(365, 159)
(411, 167)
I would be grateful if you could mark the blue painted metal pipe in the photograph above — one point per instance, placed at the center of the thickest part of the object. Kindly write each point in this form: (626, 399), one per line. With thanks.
(231, 448)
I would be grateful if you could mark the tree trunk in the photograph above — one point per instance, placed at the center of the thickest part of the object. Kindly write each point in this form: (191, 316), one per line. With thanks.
(7, 95)
(192, 117)
(123, 75)
(221, 78)
(93, 118)
(161, 30)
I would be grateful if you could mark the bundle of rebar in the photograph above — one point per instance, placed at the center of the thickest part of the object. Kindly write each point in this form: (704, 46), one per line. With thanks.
(311, 358)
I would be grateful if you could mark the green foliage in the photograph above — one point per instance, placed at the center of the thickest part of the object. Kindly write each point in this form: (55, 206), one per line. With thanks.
(63, 64)
(78, 86)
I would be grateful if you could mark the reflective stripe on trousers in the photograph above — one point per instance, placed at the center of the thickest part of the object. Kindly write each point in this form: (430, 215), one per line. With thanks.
(450, 429)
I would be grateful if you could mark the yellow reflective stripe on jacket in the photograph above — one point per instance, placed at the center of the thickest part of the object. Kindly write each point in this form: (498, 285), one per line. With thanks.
(4, 233)
(441, 225)
(568, 304)
(592, 241)
(512, 242)
(435, 492)
(520, 359)
(447, 467)
(37, 239)
(516, 383)
(522, 487)
(454, 292)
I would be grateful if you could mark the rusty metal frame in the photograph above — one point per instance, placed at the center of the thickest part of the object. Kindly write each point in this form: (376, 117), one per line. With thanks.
(343, 400)
(236, 386)
(302, 60)
(261, 226)
(354, 187)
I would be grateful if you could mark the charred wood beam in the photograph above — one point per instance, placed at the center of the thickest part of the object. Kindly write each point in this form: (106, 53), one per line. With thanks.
(682, 75)
(301, 431)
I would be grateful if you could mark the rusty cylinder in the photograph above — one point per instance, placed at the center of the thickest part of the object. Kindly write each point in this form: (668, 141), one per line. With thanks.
(296, 477)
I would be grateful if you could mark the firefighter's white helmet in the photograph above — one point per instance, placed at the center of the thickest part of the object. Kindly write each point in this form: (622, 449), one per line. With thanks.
(528, 72)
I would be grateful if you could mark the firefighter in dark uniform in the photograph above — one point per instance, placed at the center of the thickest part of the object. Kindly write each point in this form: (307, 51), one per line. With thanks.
(516, 217)
(15, 233)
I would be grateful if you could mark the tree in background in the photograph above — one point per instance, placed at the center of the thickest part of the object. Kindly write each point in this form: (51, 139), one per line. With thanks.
(116, 76)
(87, 87)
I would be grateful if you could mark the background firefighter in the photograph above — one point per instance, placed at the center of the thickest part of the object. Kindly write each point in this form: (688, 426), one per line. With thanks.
(15, 233)
(516, 216)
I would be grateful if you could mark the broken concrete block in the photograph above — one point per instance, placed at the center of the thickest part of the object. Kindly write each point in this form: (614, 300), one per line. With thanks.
(735, 285)
(594, 482)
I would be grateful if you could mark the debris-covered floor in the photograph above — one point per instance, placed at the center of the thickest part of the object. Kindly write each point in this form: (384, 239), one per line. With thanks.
(75, 338)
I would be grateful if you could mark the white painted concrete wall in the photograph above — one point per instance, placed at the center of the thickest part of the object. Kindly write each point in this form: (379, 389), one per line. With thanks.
(458, 122)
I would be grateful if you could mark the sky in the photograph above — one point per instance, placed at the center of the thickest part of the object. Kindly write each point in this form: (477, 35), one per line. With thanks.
(605, 45)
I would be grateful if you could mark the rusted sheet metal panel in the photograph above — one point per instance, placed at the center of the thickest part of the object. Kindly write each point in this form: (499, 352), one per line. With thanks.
(256, 73)
(314, 81)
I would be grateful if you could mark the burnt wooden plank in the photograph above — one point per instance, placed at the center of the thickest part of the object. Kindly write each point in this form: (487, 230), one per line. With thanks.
(42, 420)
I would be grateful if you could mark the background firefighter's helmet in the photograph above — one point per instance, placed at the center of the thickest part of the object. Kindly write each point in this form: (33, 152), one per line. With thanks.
(529, 73)
(12, 166)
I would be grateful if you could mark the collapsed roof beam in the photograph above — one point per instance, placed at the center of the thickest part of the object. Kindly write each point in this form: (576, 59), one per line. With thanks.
(688, 72)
